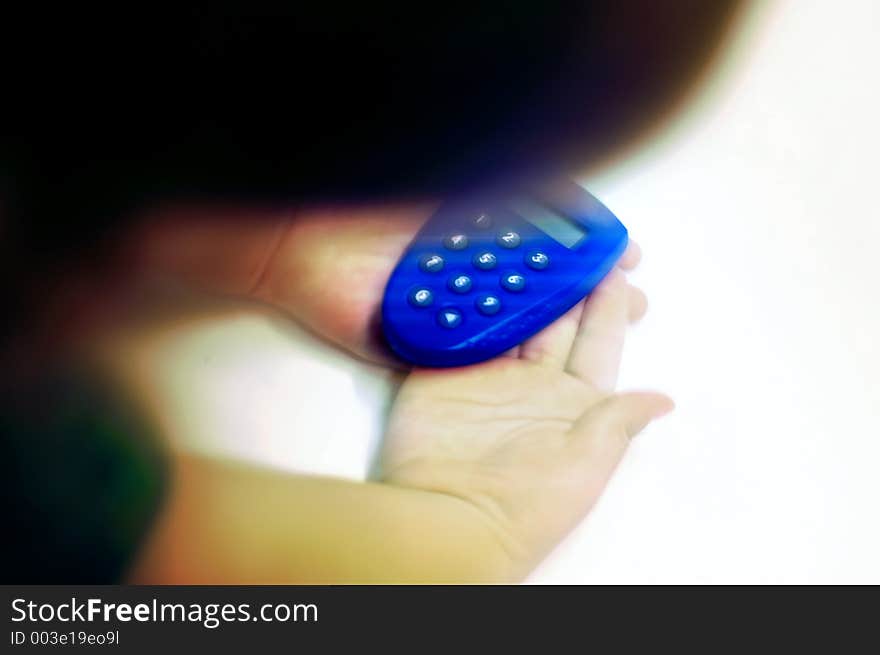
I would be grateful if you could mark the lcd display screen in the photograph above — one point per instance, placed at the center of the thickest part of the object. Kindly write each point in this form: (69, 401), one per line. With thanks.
(552, 223)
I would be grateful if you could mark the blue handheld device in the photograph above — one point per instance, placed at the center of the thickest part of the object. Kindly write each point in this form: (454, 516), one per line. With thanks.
(485, 273)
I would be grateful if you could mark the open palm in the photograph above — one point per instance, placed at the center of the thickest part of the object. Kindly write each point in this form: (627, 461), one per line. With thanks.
(530, 439)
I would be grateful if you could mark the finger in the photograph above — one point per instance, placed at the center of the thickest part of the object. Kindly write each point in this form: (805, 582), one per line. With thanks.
(631, 412)
(221, 249)
(513, 352)
(601, 436)
(595, 355)
(631, 256)
(638, 304)
(552, 345)
(619, 418)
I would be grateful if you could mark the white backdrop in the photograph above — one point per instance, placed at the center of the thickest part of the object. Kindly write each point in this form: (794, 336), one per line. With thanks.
(758, 219)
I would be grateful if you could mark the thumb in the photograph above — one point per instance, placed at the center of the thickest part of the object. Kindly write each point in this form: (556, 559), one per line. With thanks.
(634, 410)
(608, 426)
(222, 249)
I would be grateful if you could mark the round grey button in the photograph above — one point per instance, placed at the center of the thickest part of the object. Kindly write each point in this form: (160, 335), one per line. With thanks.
(537, 260)
(508, 239)
(431, 263)
(449, 317)
(421, 297)
(482, 221)
(460, 283)
(485, 260)
(513, 282)
(456, 241)
(488, 305)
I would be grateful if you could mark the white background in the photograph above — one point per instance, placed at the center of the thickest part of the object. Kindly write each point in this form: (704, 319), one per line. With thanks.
(758, 215)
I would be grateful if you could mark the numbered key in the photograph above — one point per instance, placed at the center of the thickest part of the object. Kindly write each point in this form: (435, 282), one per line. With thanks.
(482, 221)
(421, 298)
(513, 282)
(488, 305)
(537, 260)
(456, 241)
(460, 283)
(431, 263)
(508, 239)
(485, 261)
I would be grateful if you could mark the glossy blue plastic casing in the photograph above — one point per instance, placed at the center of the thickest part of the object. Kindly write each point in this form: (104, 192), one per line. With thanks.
(418, 334)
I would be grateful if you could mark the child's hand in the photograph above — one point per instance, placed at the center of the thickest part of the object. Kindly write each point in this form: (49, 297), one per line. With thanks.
(529, 439)
(485, 468)
(326, 268)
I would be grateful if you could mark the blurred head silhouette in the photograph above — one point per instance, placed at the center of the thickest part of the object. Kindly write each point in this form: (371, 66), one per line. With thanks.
(322, 102)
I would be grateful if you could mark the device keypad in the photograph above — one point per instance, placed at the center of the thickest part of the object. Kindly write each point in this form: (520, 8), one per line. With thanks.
(487, 271)
(481, 246)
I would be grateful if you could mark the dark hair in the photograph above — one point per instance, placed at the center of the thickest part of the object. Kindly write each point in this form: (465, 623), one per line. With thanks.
(326, 101)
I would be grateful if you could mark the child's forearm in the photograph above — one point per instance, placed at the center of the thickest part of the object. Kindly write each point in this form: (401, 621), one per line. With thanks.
(231, 523)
